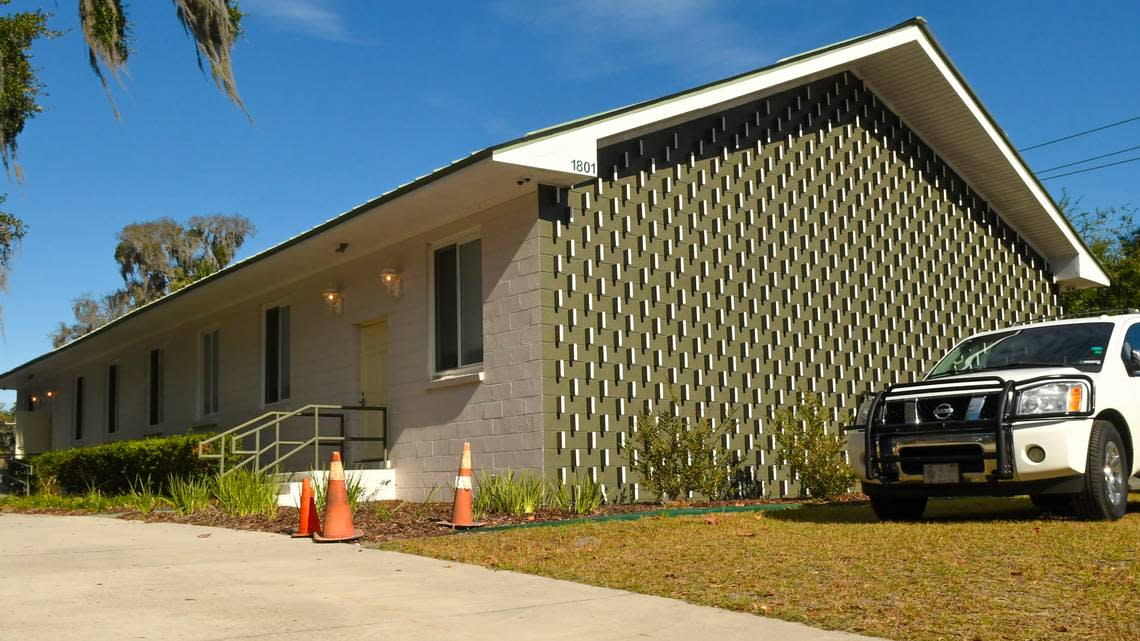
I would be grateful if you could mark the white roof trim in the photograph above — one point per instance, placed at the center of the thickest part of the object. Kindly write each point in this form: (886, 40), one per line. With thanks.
(574, 151)
(1088, 267)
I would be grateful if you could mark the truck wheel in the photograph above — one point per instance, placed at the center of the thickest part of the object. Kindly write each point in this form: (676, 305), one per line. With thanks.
(1053, 503)
(1105, 493)
(898, 508)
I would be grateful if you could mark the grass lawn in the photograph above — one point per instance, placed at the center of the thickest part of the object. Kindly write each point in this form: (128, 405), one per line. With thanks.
(985, 569)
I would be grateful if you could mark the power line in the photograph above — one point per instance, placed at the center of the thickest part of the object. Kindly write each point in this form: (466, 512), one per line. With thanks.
(1081, 171)
(1081, 133)
(1081, 162)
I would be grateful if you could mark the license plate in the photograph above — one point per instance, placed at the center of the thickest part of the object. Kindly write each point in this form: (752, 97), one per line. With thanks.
(940, 473)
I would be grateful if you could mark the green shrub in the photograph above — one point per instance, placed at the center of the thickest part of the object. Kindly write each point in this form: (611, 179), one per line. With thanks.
(142, 496)
(559, 496)
(508, 492)
(676, 456)
(91, 501)
(112, 468)
(581, 496)
(423, 510)
(189, 495)
(387, 510)
(587, 496)
(813, 455)
(532, 492)
(243, 492)
(498, 493)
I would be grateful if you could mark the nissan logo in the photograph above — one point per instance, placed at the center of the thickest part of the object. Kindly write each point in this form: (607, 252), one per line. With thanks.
(944, 411)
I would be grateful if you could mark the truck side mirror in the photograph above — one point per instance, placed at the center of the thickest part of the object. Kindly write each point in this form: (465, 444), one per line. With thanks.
(1133, 363)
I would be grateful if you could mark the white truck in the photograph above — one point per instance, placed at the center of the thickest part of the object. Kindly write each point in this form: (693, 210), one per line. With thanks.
(1049, 409)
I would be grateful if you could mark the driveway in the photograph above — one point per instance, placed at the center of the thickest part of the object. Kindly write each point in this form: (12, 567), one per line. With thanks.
(95, 578)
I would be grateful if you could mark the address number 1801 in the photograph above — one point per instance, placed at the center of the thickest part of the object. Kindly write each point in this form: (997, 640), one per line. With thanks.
(584, 167)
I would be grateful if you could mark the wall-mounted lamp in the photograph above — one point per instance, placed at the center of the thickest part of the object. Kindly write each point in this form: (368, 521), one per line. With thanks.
(390, 278)
(333, 299)
(50, 394)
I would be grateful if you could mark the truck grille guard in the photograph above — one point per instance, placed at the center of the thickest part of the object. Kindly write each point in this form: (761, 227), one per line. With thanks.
(883, 466)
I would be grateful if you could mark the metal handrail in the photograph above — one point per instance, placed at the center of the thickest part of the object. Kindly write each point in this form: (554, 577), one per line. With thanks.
(20, 472)
(272, 421)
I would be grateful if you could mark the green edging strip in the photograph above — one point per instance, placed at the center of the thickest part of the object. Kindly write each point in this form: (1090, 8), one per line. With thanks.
(633, 516)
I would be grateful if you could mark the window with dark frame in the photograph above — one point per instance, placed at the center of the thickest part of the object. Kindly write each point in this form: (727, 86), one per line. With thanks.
(155, 396)
(277, 354)
(79, 408)
(1131, 342)
(112, 399)
(458, 280)
(211, 373)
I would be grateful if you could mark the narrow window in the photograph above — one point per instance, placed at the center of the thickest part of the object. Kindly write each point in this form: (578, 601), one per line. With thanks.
(30, 402)
(112, 399)
(276, 354)
(458, 273)
(155, 396)
(210, 373)
(79, 408)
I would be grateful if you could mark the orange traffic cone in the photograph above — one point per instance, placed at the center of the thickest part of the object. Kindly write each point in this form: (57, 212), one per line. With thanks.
(310, 521)
(338, 515)
(461, 512)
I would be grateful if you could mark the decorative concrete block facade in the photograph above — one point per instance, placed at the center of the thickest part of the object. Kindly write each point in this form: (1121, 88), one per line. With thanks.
(807, 241)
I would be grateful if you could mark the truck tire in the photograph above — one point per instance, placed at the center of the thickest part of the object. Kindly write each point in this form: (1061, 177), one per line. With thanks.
(897, 508)
(1105, 493)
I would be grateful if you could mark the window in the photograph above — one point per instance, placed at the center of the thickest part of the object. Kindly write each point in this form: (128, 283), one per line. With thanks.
(112, 399)
(1078, 345)
(458, 280)
(276, 354)
(79, 408)
(210, 373)
(156, 392)
(30, 402)
(1131, 344)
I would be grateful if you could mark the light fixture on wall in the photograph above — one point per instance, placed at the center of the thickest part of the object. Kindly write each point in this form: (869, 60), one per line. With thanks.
(390, 278)
(333, 299)
(50, 394)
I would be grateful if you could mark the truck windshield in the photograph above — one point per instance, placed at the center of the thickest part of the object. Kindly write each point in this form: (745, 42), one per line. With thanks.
(1078, 345)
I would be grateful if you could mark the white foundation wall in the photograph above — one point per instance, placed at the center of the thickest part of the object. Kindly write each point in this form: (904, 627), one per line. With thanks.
(427, 424)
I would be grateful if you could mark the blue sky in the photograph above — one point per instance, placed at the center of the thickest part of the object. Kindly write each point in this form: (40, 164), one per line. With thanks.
(353, 98)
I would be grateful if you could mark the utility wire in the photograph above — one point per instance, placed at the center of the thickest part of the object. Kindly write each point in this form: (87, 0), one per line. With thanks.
(1081, 171)
(1081, 162)
(1081, 133)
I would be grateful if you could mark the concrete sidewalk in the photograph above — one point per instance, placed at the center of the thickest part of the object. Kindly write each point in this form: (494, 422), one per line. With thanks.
(95, 578)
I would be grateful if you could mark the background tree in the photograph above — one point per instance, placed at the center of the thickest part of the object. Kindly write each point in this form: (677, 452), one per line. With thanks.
(7, 436)
(12, 231)
(1113, 237)
(213, 25)
(156, 258)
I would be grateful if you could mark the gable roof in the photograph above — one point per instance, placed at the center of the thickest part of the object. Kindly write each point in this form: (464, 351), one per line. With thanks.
(903, 65)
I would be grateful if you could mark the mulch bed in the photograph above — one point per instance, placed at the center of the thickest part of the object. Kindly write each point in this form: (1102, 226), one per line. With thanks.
(392, 520)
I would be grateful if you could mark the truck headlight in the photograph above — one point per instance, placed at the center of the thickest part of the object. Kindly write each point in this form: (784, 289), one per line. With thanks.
(1054, 397)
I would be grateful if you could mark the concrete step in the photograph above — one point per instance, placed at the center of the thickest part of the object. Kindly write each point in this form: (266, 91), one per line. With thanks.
(377, 484)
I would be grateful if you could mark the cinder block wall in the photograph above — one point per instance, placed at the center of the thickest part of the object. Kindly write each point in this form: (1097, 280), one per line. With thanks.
(805, 241)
